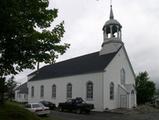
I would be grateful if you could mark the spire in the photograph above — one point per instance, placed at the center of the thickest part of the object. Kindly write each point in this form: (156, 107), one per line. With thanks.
(112, 35)
(111, 12)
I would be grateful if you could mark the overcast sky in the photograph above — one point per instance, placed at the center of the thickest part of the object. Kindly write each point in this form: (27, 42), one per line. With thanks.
(84, 20)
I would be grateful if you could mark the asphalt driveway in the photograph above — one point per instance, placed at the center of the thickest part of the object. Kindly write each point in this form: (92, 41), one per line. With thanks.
(105, 116)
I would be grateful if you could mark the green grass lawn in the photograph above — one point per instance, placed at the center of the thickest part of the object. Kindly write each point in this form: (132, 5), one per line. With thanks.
(14, 111)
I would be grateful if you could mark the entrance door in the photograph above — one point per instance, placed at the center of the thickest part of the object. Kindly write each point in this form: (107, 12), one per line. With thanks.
(132, 98)
(123, 101)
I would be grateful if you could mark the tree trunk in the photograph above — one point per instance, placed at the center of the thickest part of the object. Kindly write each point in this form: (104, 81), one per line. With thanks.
(38, 68)
(2, 83)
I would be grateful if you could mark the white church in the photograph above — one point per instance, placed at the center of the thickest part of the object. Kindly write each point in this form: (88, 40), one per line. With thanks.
(104, 78)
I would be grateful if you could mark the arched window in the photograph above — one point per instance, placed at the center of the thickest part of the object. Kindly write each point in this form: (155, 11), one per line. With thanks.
(53, 91)
(89, 87)
(122, 76)
(32, 91)
(69, 90)
(111, 91)
(132, 92)
(42, 91)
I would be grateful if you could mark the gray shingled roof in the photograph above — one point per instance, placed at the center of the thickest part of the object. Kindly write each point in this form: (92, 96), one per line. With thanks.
(80, 65)
(23, 88)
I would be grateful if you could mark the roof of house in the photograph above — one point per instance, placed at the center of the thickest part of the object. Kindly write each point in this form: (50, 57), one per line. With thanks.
(23, 88)
(80, 65)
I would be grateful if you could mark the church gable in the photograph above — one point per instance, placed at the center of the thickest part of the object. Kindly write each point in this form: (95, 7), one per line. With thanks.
(118, 72)
(121, 64)
(128, 60)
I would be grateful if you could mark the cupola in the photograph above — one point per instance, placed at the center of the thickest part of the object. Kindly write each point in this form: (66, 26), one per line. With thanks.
(112, 35)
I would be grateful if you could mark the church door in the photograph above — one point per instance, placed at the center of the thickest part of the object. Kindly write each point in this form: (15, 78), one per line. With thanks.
(132, 98)
(123, 101)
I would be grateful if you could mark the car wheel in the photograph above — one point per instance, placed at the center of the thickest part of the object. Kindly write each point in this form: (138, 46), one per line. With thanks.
(78, 111)
(60, 109)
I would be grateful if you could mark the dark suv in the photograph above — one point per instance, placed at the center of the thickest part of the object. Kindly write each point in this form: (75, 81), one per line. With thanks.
(76, 105)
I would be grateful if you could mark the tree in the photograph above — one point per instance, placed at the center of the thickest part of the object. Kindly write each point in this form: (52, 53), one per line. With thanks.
(26, 37)
(145, 88)
(10, 86)
(157, 91)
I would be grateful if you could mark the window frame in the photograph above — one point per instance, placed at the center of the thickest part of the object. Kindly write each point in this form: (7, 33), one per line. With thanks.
(69, 91)
(111, 91)
(32, 91)
(42, 91)
(54, 91)
(122, 76)
(89, 90)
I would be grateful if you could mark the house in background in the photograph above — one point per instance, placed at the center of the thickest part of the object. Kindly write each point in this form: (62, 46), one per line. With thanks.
(104, 78)
(21, 93)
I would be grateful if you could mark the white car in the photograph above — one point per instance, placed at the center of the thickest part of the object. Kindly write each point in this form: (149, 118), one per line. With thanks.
(37, 108)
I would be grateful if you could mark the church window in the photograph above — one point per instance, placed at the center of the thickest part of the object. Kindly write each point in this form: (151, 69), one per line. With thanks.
(32, 91)
(54, 91)
(89, 90)
(122, 76)
(42, 91)
(132, 92)
(69, 90)
(111, 91)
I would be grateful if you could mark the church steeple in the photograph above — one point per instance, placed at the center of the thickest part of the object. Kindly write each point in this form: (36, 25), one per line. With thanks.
(111, 13)
(112, 34)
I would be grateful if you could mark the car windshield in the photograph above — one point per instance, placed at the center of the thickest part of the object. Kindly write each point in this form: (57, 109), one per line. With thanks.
(45, 102)
(36, 105)
(79, 100)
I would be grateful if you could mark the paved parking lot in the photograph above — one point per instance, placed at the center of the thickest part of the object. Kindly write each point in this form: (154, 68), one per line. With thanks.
(105, 116)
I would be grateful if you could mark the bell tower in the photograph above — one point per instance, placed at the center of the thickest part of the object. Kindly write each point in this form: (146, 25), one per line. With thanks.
(112, 35)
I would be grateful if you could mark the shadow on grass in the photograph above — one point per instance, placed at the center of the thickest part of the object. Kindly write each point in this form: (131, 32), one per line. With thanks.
(14, 111)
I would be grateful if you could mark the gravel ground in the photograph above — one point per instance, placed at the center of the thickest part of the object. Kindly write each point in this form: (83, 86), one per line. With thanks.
(105, 116)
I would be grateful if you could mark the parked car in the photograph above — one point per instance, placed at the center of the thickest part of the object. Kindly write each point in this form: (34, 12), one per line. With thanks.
(76, 105)
(37, 108)
(51, 105)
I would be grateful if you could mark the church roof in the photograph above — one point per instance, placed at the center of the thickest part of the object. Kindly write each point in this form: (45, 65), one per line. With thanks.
(112, 22)
(80, 65)
(22, 88)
